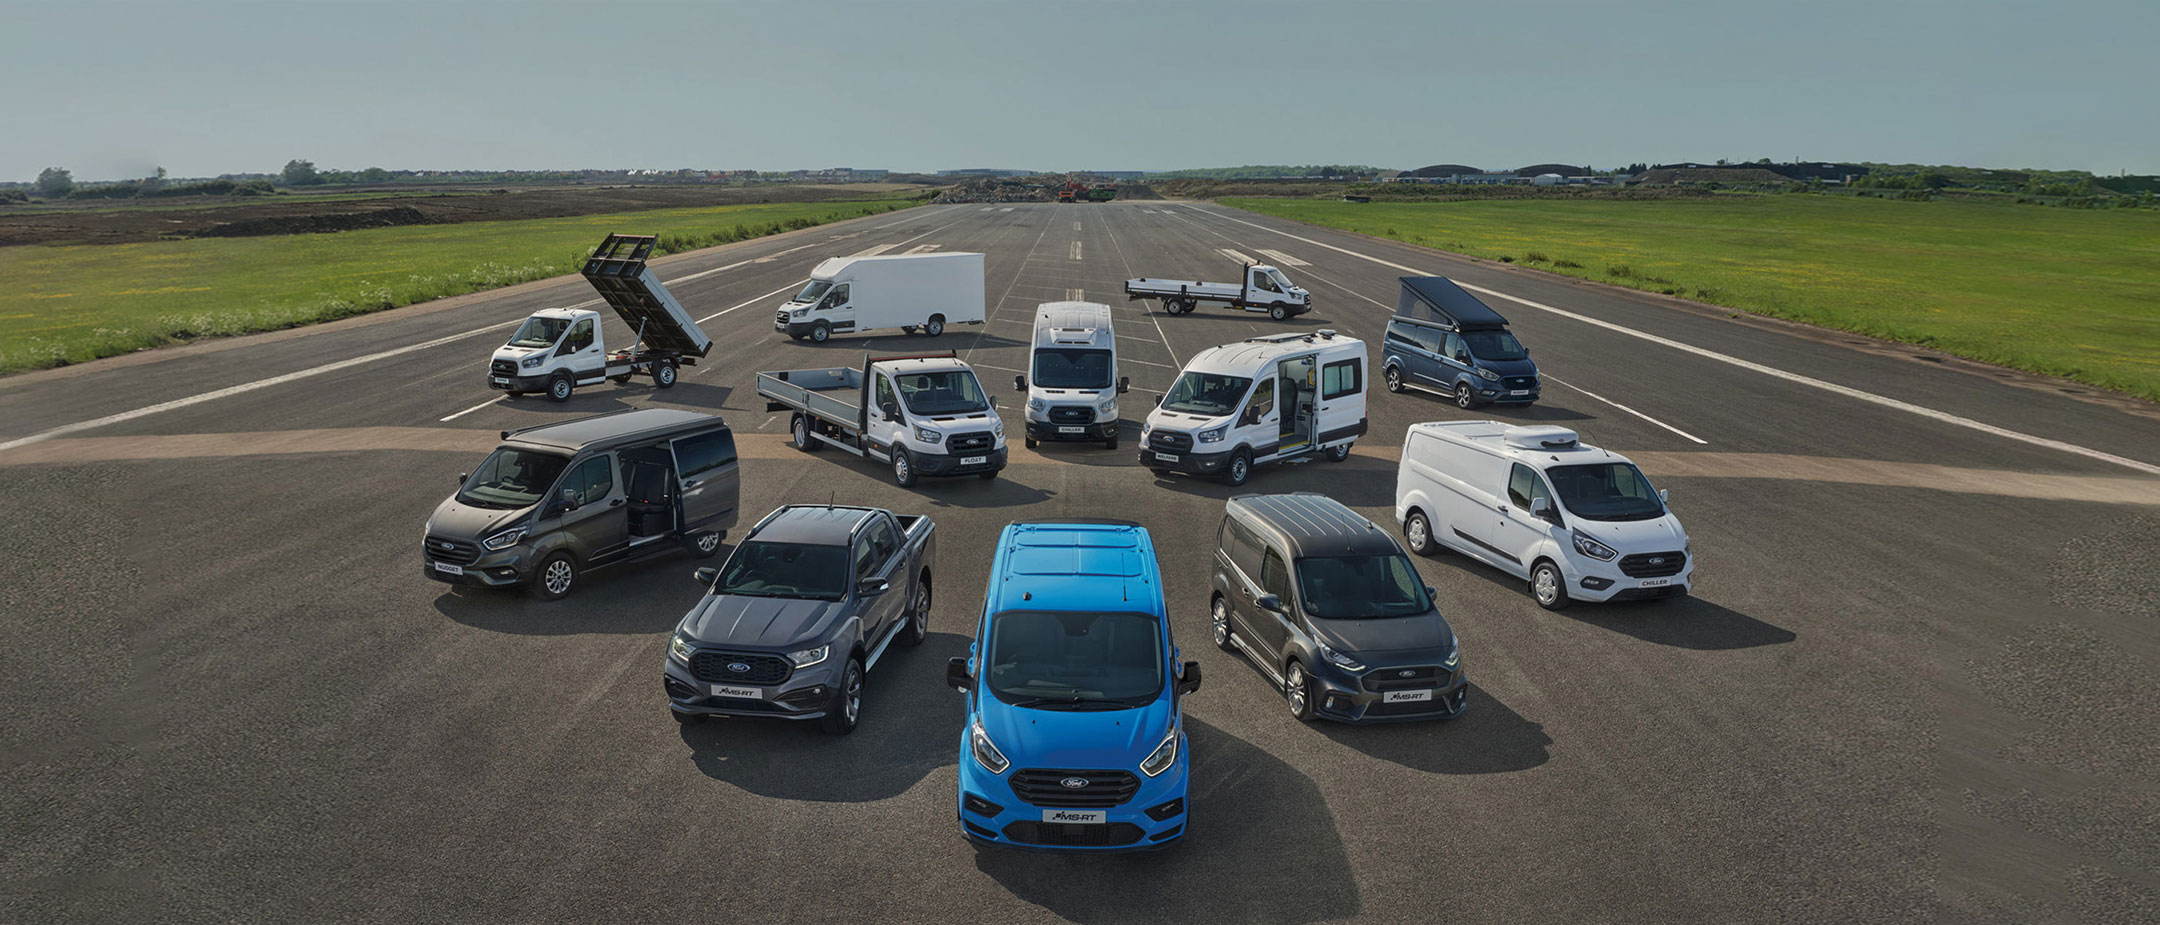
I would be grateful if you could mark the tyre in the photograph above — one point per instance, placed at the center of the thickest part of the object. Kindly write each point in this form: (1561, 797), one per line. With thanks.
(1030, 442)
(1337, 453)
(1110, 442)
(1297, 691)
(903, 468)
(663, 374)
(935, 326)
(1278, 311)
(845, 707)
(1417, 534)
(918, 622)
(685, 719)
(1394, 378)
(820, 333)
(1219, 624)
(1464, 398)
(560, 387)
(706, 544)
(1547, 586)
(799, 434)
(1239, 469)
(556, 577)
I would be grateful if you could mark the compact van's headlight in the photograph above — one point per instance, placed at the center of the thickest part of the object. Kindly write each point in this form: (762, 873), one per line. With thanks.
(1213, 435)
(1163, 756)
(505, 539)
(1488, 375)
(986, 751)
(1339, 659)
(804, 658)
(533, 362)
(1592, 548)
(679, 649)
(927, 435)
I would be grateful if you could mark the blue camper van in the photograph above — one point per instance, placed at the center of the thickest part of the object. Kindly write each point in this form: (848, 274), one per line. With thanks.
(1444, 340)
(1074, 738)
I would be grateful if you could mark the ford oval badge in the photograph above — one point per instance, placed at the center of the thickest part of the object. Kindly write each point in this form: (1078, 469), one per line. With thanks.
(1073, 783)
(738, 667)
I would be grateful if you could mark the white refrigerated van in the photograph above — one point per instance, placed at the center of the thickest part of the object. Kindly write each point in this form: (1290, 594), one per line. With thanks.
(1575, 521)
(1261, 400)
(1073, 392)
(911, 292)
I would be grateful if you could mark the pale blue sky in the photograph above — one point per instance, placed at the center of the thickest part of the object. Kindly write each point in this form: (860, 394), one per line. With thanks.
(209, 86)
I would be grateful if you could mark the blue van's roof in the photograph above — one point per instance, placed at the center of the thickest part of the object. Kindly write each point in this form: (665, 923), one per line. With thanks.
(1437, 298)
(1076, 565)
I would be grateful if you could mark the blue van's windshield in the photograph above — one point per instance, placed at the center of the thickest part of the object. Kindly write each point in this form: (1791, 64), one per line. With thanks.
(1495, 345)
(1072, 660)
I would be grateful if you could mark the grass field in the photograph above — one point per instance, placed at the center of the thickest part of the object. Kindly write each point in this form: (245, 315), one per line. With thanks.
(68, 304)
(2065, 292)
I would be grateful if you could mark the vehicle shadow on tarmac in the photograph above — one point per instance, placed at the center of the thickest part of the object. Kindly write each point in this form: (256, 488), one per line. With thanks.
(648, 596)
(1262, 847)
(952, 339)
(910, 726)
(1489, 738)
(1683, 623)
(703, 396)
(970, 492)
(582, 403)
(1356, 482)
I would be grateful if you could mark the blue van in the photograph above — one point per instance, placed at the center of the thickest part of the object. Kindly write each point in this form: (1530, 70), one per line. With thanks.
(1074, 739)
(1444, 340)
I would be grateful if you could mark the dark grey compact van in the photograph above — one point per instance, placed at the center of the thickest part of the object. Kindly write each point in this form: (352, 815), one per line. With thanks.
(555, 500)
(1332, 611)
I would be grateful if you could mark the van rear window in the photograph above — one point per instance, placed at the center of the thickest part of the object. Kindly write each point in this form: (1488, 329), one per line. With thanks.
(1342, 378)
(704, 453)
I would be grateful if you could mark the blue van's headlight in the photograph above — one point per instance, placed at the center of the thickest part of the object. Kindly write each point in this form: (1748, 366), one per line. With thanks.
(1488, 375)
(986, 751)
(1164, 755)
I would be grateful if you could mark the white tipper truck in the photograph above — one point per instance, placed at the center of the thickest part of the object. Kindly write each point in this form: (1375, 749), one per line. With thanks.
(911, 292)
(924, 414)
(557, 350)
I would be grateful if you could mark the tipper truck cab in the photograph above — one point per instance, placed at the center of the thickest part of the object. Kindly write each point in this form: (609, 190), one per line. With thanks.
(810, 600)
(924, 414)
(1073, 394)
(1444, 340)
(1261, 288)
(911, 292)
(1074, 737)
(1260, 400)
(558, 350)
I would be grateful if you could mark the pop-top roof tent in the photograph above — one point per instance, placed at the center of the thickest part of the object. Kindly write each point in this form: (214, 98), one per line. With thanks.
(1438, 299)
(629, 287)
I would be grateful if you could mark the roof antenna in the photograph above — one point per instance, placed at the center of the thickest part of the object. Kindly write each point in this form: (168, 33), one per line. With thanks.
(829, 496)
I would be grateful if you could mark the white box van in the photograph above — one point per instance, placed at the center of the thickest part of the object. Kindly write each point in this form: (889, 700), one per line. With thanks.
(905, 291)
(1260, 400)
(1073, 395)
(1576, 521)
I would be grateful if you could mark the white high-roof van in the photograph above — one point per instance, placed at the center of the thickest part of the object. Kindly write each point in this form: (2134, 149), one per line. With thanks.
(1578, 522)
(1260, 400)
(1073, 392)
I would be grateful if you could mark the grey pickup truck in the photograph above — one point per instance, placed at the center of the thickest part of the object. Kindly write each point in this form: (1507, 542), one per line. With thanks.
(800, 612)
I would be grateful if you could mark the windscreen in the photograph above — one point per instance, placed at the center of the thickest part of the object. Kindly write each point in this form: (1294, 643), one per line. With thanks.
(512, 478)
(1072, 369)
(1205, 393)
(797, 570)
(814, 291)
(1494, 345)
(1075, 660)
(1280, 280)
(1360, 587)
(540, 332)
(954, 392)
(1606, 491)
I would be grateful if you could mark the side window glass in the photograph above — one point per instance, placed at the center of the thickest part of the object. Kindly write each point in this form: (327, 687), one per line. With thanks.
(1244, 550)
(882, 543)
(1455, 348)
(1340, 379)
(1519, 486)
(1263, 399)
(1396, 335)
(581, 336)
(598, 476)
(695, 456)
(884, 391)
(865, 557)
(1274, 579)
(840, 295)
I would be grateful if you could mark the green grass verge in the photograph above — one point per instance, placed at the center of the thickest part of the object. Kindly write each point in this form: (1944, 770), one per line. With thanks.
(68, 304)
(2064, 292)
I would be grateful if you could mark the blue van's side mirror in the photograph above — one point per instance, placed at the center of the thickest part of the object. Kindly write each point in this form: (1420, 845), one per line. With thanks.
(956, 674)
(1189, 678)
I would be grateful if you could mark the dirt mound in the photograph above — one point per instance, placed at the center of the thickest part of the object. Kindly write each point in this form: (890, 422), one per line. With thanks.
(315, 224)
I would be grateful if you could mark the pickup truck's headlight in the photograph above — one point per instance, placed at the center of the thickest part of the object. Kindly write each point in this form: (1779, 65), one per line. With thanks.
(1037, 405)
(1214, 435)
(1592, 548)
(927, 435)
(1340, 660)
(533, 362)
(1488, 375)
(804, 658)
(1454, 656)
(986, 751)
(505, 539)
(1107, 409)
(679, 649)
(1163, 756)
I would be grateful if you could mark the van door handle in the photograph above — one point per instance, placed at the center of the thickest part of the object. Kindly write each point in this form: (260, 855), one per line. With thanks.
(615, 503)
(694, 485)
(1502, 508)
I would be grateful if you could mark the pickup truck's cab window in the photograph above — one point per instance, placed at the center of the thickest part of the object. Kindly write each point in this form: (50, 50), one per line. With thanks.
(879, 540)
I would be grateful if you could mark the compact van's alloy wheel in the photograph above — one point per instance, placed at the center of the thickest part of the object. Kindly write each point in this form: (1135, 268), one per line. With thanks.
(1464, 398)
(1297, 689)
(556, 577)
(1219, 624)
(1394, 378)
(1548, 587)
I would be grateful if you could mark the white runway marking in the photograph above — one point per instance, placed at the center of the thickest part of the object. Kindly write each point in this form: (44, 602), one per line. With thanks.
(1810, 381)
(1235, 255)
(1075, 250)
(793, 285)
(923, 248)
(1076, 226)
(872, 252)
(1630, 411)
(1075, 295)
(1006, 209)
(1145, 363)
(1283, 260)
(453, 417)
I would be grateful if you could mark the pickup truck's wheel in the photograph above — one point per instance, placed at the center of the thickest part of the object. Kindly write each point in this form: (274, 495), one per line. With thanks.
(1548, 587)
(918, 621)
(663, 374)
(1417, 531)
(820, 332)
(1394, 378)
(705, 544)
(1297, 689)
(1464, 398)
(845, 707)
(903, 468)
(556, 577)
(1219, 623)
(1338, 453)
(1278, 311)
(935, 326)
(560, 387)
(799, 434)
(1239, 469)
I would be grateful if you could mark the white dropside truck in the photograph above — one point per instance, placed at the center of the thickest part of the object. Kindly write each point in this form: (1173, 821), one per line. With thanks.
(911, 292)
(1262, 400)
(924, 414)
(559, 349)
(1263, 289)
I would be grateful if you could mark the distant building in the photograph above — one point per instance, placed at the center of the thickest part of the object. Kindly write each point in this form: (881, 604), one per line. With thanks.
(985, 172)
(1565, 170)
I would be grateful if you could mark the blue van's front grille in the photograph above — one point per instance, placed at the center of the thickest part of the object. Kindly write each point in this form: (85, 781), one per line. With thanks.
(1519, 382)
(1044, 787)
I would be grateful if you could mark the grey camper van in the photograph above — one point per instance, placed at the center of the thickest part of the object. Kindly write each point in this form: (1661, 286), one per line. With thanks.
(1444, 340)
(555, 500)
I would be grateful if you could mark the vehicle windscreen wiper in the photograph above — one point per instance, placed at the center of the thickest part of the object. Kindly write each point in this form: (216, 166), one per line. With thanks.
(1091, 702)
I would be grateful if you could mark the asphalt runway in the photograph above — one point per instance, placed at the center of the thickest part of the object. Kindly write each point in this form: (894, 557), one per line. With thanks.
(1914, 681)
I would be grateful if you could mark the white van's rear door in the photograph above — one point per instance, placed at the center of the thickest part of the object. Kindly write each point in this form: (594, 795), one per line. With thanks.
(1343, 378)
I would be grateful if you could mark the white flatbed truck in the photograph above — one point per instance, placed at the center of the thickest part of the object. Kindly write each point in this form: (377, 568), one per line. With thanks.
(922, 414)
(558, 350)
(1263, 289)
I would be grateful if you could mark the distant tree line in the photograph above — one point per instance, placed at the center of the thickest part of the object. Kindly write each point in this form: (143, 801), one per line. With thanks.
(1267, 171)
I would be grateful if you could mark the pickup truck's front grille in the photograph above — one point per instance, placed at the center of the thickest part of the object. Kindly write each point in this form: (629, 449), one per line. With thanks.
(1653, 564)
(972, 442)
(1398, 679)
(1072, 414)
(1044, 787)
(1064, 835)
(455, 552)
(761, 670)
(1170, 440)
(503, 367)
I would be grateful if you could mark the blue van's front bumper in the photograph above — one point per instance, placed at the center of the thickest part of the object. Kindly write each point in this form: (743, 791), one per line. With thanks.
(992, 813)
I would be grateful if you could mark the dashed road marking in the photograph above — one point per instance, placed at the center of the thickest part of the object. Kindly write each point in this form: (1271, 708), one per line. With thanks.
(874, 251)
(1549, 378)
(1075, 250)
(923, 248)
(1235, 255)
(1283, 260)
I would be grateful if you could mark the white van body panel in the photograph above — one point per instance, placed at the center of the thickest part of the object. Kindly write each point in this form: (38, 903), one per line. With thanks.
(1072, 326)
(900, 290)
(1292, 376)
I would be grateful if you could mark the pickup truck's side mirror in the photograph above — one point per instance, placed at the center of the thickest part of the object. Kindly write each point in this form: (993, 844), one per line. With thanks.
(872, 587)
(706, 576)
(1431, 591)
(1124, 384)
(1019, 383)
(1271, 602)
(956, 674)
(568, 498)
(1189, 678)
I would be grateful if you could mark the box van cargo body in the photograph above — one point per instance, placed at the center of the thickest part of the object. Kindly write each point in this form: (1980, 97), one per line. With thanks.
(555, 500)
(924, 414)
(1330, 609)
(1074, 736)
(1444, 340)
(1075, 385)
(1258, 401)
(910, 292)
(1578, 522)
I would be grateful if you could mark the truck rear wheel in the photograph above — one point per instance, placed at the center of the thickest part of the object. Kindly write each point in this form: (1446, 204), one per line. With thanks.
(663, 373)
(935, 326)
(799, 434)
(560, 387)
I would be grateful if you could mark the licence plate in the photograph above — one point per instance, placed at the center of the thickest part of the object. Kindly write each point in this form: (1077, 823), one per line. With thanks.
(1406, 696)
(1071, 430)
(1076, 816)
(499, 380)
(1167, 457)
(1655, 582)
(1520, 392)
(746, 693)
(973, 460)
(448, 569)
